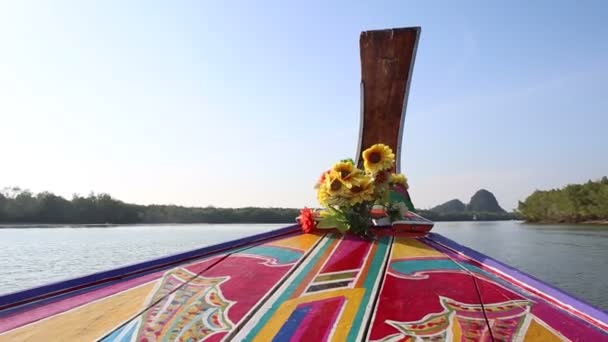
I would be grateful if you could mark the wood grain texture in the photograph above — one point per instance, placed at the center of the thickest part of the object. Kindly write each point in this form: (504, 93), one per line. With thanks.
(387, 60)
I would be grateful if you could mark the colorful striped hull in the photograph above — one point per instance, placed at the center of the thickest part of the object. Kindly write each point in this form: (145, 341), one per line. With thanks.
(288, 286)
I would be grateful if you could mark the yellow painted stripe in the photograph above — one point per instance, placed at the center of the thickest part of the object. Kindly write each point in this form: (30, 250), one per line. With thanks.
(405, 247)
(302, 242)
(86, 323)
(456, 329)
(343, 326)
(537, 332)
(336, 276)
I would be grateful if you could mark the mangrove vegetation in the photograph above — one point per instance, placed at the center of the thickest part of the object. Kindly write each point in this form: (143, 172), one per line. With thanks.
(23, 206)
(574, 203)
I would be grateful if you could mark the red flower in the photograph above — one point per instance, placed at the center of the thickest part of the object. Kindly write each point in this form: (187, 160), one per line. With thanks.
(322, 179)
(307, 220)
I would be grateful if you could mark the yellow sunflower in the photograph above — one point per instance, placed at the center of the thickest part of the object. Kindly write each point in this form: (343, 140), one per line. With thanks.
(323, 195)
(346, 170)
(362, 191)
(398, 178)
(334, 183)
(336, 189)
(378, 157)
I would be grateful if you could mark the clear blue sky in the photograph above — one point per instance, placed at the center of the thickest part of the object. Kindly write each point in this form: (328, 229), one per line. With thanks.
(235, 103)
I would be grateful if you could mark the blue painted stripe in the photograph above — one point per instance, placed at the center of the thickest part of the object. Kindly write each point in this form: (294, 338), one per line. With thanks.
(410, 267)
(282, 255)
(292, 324)
(123, 334)
(293, 286)
(373, 276)
(35, 294)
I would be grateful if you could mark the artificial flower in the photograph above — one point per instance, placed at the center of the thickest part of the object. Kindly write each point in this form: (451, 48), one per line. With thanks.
(307, 220)
(349, 194)
(334, 183)
(382, 177)
(321, 179)
(346, 170)
(397, 178)
(377, 158)
(323, 195)
(363, 191)
(332, 192)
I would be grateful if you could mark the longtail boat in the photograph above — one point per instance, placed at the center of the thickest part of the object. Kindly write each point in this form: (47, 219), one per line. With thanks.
(406, 284)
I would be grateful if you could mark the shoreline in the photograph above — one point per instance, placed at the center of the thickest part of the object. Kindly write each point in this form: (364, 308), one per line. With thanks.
(590, 222)
(600, 222)
(111, 225)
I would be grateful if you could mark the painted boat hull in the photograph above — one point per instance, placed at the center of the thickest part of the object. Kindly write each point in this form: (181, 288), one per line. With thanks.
(413, 223)
(286, 285)
(405, 285)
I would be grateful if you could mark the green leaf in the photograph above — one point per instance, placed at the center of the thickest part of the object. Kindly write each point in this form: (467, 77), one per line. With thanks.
(342, 227)
(349, 160)
(328, 222)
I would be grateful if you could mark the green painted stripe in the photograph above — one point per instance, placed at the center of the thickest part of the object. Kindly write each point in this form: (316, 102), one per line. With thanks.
(335, 276)
(373, 276)
(293, 286)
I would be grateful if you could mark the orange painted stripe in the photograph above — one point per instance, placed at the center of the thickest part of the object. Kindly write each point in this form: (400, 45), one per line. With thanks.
(313, 272)
(368, 263)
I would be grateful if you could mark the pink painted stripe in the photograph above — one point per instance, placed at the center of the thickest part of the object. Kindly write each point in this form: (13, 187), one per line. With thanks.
(325, 322)
(349, 255)
(32, 315)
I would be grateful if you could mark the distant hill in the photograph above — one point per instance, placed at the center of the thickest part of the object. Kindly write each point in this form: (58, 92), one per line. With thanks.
(484, 201)
(453, 206)
(483, 206)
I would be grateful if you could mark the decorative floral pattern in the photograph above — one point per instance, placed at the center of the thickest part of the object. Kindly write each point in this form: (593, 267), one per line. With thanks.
(195, 311)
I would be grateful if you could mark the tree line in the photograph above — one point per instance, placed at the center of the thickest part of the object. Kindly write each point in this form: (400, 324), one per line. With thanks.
(572, 203)
(23, 206)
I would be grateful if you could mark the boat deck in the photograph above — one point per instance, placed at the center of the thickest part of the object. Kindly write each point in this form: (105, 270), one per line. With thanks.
(289, 286)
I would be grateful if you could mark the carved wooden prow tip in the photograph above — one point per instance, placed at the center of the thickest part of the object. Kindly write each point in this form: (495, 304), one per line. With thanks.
(387, 61)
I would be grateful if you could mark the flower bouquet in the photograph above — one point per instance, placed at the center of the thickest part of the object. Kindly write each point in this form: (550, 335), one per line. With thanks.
(353, 198)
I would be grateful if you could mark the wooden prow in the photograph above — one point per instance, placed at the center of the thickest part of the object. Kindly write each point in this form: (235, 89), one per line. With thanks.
(387, 61)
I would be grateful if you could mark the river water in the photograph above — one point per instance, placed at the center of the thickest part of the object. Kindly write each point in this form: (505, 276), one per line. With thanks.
(573, 258)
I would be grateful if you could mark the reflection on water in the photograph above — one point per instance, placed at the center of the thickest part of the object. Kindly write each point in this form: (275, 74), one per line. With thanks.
(36, 256)
(573, 258)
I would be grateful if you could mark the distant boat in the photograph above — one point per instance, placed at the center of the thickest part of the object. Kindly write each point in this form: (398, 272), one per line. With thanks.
(407, 284)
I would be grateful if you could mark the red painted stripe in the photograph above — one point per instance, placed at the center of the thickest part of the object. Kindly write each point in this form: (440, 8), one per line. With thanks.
(313, 272)
(348, 255)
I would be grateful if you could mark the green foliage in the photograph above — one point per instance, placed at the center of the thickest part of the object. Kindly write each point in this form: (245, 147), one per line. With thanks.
(572, 203)
(21, 206)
